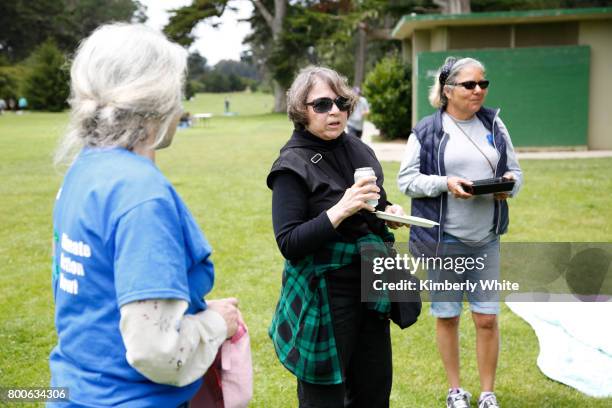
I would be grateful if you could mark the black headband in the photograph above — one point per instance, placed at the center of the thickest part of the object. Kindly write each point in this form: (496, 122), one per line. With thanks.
(446, 70)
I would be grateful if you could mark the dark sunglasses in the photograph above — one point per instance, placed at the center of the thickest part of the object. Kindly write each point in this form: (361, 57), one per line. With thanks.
(472, 84)
(324, 105)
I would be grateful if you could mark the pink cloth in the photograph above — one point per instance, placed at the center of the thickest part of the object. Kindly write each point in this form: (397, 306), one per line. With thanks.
(228, 383)
(237, 369)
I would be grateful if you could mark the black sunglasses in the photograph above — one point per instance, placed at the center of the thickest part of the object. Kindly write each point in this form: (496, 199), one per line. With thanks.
(472, 84)
(324, 105)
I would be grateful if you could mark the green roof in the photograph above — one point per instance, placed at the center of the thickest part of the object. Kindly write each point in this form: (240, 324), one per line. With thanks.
(409, 23)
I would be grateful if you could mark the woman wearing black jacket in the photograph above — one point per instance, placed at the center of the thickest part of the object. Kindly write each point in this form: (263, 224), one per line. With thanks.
(338, 347)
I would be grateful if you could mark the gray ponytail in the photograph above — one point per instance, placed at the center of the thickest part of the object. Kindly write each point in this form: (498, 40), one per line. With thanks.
(126, 83)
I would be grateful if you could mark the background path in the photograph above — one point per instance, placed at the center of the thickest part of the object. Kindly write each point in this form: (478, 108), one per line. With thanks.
(393, 151)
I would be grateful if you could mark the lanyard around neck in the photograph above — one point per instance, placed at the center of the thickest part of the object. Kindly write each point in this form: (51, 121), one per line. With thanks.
(474, 143)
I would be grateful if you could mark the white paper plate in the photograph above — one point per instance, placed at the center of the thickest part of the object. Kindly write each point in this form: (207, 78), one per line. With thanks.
(406, 219)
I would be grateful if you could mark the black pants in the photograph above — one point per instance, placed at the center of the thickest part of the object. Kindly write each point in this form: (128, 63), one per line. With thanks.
(364, 345)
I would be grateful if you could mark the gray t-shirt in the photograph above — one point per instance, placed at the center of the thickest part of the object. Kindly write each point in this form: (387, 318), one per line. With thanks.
(463, 159)
(470, 220)
(356, 119)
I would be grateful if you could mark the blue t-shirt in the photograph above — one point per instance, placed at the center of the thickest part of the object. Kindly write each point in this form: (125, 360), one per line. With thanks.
(121, 234)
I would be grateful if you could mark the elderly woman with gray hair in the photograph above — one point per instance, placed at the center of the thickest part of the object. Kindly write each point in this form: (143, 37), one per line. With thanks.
(462, 141)
(130, 266)
(338, 347)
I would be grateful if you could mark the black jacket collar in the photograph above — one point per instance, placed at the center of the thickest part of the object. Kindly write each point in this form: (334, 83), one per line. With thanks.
(303, 138)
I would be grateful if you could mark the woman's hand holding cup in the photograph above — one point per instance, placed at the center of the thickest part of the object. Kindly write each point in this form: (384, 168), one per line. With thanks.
(354, 199)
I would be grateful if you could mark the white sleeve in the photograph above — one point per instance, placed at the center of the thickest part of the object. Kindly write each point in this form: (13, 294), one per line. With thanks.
(512, 161)
(411, 181)
(167, 346)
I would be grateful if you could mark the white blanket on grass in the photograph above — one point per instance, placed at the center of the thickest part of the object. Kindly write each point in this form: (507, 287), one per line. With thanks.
(575, 342)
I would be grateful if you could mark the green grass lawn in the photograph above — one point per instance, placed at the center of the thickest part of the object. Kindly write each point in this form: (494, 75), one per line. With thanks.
(242, 104)
(220, 171)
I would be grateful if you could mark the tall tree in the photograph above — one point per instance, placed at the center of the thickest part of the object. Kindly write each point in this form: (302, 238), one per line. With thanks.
(8, 85)
(183, 21)
(453, 6)
(196, 65)
(275, 23)
(374, 23)
(24, 24)
(46, 87)
(300, 32)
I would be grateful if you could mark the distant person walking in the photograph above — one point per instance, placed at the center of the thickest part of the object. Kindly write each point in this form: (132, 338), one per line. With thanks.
(2, 106)
(22, 104)
(227, 105)
(362, 110)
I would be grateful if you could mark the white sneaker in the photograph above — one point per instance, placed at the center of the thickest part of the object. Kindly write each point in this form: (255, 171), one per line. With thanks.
(489, 401)
(459, 399)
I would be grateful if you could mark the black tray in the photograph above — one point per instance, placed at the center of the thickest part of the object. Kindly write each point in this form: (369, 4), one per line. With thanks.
(488, 186)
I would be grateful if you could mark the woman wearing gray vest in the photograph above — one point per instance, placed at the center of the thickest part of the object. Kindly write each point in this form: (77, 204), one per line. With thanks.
(460, 142)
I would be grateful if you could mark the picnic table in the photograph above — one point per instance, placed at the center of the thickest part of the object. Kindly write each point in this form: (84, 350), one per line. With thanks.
(201, 118)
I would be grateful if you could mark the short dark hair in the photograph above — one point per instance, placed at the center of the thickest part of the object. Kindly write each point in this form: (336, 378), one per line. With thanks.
(297, 110)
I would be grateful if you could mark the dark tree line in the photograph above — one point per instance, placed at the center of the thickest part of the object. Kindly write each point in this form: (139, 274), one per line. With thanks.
(225, 76)
(38, 36)
(350, 36)
(25, 24)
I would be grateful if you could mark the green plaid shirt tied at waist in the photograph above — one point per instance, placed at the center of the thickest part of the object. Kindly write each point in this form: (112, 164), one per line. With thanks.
(301, 328)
